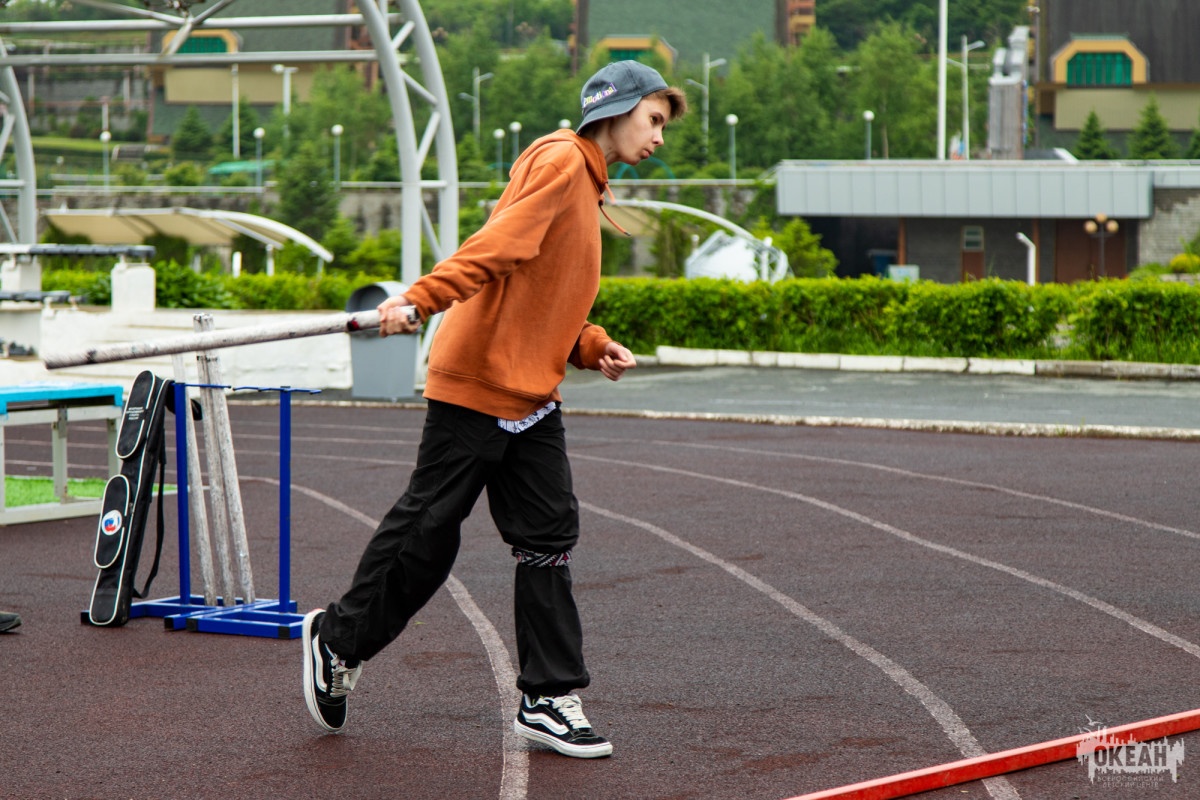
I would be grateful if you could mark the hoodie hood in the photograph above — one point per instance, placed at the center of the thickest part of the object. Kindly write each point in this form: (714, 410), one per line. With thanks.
(593, 156)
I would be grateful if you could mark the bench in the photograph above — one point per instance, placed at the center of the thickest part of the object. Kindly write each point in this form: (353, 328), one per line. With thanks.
(58, 404)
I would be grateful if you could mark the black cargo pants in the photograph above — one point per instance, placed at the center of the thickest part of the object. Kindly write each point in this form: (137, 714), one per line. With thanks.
(528, 481)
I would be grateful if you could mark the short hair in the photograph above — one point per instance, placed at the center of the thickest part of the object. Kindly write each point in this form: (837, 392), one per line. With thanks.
(675, 98)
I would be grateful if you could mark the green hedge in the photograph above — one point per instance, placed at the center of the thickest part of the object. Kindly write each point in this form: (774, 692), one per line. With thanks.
(866, 316)
(181, 287)
(1106, 320)
(1138, 321)
(1145, 320)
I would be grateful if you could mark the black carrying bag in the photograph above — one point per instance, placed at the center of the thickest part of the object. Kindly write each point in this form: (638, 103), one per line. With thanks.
(141, 446)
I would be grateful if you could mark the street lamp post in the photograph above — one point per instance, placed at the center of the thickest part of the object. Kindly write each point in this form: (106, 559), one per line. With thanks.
(286, 72)
(966, 108)
(337, 131)
(498, 135)
(1101, 227)
(476, 79)
(1036, 13)
(105, 138)
(868, 118)
(515, 127)
(708, 67)
(259, 133)
(941, 80)
(237, 143)
(731, 120)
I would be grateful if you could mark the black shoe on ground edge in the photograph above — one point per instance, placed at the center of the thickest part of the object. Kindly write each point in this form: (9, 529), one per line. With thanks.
(327, 678)
(559, 722)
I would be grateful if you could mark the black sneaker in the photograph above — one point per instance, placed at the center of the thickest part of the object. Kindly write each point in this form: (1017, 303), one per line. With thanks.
(327, 678)
(9, 621)
(560, 723)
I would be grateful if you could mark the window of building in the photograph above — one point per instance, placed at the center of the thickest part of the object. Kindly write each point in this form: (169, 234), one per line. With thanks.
(625, 55)
(972, 238)
(204, 44)
(1100, 69)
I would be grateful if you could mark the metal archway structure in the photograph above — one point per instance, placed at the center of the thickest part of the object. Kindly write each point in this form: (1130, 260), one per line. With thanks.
(14, 128)
(652, 161)
(413, 148)
(775, 261)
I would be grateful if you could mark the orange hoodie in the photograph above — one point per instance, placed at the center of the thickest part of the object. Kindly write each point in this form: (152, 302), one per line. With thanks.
(519, 290)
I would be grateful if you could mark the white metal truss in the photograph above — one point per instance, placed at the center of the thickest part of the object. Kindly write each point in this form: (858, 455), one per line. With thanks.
(436, 138)
(15, 130)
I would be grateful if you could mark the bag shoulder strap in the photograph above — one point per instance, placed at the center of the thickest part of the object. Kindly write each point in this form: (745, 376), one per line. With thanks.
(162, 474)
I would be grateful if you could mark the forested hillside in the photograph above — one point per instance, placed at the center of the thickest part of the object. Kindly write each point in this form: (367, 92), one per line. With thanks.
(513, 23)
(791, 102)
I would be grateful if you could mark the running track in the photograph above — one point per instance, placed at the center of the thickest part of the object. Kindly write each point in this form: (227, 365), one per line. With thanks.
(769, 611)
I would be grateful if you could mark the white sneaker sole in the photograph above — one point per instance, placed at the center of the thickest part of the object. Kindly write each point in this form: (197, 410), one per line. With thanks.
(310, 692)
(575, 751)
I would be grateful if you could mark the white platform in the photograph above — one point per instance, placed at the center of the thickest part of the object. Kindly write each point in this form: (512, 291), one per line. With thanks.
(317, 362)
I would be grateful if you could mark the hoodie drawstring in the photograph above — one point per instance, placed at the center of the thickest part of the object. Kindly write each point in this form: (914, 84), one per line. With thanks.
(612, 222)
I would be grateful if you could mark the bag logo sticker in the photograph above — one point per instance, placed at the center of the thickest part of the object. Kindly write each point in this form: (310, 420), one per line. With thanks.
(111, 522)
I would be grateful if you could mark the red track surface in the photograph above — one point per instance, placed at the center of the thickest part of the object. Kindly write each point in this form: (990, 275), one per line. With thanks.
(769, 611)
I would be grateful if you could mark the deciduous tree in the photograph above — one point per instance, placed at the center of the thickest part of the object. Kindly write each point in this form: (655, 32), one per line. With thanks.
(892, 82)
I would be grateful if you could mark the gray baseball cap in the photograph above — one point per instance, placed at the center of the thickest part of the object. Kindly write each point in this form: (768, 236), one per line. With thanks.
(616, 89)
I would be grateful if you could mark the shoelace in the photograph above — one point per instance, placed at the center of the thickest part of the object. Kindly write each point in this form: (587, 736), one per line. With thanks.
(571, 710)
(344, 678)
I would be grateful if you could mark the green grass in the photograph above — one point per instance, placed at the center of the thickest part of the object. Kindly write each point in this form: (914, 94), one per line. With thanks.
(22, 490)
(65, 144)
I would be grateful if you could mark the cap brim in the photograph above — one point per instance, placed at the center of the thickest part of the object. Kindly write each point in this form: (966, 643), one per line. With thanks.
(613, 109)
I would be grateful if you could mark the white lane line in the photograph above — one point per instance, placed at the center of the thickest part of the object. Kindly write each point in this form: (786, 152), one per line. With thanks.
(938, 708)
(1100, 512)
(514, 778)
(1145, 626)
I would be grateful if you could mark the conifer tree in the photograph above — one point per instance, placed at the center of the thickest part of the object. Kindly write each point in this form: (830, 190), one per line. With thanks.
(247, 122)
(307, 200)
(1093, 144)
(1193, 151)
(1151, 139)
(192, 140)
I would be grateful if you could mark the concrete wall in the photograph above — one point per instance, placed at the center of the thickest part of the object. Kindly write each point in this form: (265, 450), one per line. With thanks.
(1121, 109)
(48, 102)
(934, 245)
(1176, 220)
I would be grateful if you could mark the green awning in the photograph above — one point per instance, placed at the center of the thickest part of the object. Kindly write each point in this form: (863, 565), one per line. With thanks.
(232, 167)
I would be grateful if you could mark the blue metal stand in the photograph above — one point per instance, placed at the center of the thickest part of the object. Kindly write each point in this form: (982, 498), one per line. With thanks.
(268, 618)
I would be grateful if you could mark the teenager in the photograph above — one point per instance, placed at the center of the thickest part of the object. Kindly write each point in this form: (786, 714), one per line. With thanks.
(516, 296)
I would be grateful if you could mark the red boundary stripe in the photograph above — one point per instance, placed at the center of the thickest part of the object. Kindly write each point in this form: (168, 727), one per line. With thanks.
(1034, 755)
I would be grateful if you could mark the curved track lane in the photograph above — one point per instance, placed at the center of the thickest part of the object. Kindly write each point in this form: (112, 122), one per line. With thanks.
(769, 611)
